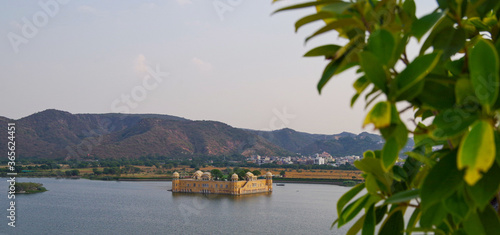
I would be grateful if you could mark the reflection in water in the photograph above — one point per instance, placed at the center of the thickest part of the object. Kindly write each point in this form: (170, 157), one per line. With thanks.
(212, 196)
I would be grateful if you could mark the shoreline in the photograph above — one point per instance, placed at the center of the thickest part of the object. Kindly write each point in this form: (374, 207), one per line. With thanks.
(338, 182)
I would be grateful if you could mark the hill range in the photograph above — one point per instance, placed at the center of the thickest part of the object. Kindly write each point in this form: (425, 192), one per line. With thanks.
(58, 134)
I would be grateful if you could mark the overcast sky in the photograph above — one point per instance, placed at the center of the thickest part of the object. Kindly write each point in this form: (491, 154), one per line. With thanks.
(223, 60)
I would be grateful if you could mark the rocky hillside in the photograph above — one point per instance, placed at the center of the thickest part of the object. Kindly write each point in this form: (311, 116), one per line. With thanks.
(59, 134)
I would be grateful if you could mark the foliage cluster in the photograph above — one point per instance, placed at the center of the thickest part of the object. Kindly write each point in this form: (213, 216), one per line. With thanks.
(452, 176)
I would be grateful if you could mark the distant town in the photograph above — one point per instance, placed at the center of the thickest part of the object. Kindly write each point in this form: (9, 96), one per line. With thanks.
(317, 159)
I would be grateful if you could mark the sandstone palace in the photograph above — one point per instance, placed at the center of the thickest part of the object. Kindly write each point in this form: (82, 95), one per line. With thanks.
(203, 183)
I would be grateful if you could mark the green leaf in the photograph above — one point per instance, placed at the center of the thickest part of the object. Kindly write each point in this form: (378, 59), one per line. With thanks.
(424, 24)
(412, 169)
(442, 180)
(390, 153)
(353, 99)
(484, 69)
(329, 71)
(353, 209)
(410, 8)
(374, 166)
(360, 84)
(452, 122)
(443, 4)
(349, 196)
(311, 18)
(380, 213)
(482, 223)
(396, 130)
(399, 173)
(369, 223)
(497, 146)
(399, 49)
(307, 4)
(394, 224)
(404, 196)
(450, 40)
(486, 188)
(486, 6)
(373, 69)
(415, 216)
(371, 183)
(328, 51)
(440, 25)
(473, 225)
(489, 219)
(421, 158)
(381, 44)
(479, 24)
(477, 151)
(456, 66)
(356, 226)
(414, 73)
(336, 24)
(436, 95)
(464, 91)
(369, 153)
(342, 62)
(433, 215)
(336, 8)
(456, 205)
(379, 116)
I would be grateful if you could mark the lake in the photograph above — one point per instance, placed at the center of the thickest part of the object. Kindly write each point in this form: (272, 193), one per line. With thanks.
(110, 207)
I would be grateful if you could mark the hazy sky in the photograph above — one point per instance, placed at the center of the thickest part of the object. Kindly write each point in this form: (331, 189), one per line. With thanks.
(223, 60)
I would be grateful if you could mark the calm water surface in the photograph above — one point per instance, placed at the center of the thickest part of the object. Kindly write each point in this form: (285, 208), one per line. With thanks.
(109, 207)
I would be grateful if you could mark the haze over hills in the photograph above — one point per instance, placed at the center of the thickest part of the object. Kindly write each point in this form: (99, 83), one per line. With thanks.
(339, 145)
(58, 134)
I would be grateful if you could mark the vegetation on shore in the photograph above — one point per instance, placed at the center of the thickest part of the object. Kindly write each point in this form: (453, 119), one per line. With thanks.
(162, 168)
(29, 187)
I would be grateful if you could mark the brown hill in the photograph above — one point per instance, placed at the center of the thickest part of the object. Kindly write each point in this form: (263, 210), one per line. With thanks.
(58, 134)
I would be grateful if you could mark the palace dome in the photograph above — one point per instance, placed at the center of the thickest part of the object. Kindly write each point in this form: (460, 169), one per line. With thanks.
(176, 175)
(249, 174)
(269, 174)
(206, 174)
(234, 176)
(197, 174)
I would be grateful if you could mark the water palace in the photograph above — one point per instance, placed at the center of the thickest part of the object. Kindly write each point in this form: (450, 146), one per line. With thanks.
(203, 183)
